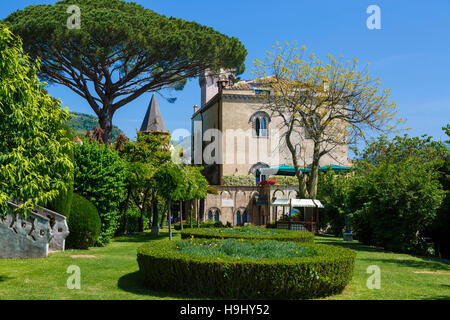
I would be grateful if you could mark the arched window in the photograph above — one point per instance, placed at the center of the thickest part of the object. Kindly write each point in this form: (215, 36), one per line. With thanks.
(245, 217)
(214, 214)
(257, 127)
(255, 170)
(210, 215)
(262, 128)
(260, 123)
(241, 216)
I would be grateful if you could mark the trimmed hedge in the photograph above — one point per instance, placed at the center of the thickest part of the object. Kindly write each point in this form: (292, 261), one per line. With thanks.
(272, 234)
(84, 224)
(165, 268)
(187, 225)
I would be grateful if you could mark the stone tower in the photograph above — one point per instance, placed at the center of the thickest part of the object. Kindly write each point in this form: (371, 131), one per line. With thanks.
(153, 120)
(208, 83)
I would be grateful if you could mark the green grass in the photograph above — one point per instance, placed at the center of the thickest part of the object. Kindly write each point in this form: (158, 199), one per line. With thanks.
(113, 274)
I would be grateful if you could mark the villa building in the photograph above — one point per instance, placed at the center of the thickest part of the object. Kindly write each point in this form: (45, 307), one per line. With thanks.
(232, 134)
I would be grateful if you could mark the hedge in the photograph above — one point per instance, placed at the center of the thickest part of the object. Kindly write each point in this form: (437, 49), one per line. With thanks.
(212, 224)
(279, 235)
(164, 268)
(84, 224)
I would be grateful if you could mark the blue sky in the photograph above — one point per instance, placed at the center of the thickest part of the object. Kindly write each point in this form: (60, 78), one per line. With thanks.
(411, 52)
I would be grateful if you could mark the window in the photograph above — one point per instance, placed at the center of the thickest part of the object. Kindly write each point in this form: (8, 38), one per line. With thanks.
(260, 123)
(214, 214)
(245, 217)
(241, 216)
(255, 170)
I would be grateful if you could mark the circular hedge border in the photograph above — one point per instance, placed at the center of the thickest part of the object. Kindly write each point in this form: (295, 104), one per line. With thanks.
(163, 267)
(280, 235)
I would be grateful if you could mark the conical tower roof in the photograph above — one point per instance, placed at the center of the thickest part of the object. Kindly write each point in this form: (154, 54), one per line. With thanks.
(153, 121)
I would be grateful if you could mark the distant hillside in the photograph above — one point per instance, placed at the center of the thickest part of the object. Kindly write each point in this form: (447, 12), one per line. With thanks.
(81, 123)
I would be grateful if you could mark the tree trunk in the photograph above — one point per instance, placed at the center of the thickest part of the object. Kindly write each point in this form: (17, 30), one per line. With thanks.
(314, 178)
(170, 219)
(163, 217)
(105, 121)
(141, 220)
(155, 226)
(124, 211)
(192, 209)
(300, 177)
(197, 210)
(181, 214)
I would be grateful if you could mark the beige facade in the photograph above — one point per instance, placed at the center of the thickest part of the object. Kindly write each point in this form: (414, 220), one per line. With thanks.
(236, 113)
(232, 134)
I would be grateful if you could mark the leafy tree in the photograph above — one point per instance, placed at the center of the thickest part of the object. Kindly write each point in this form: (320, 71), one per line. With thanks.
(34, 162)
(333, 192)
(143, 157)
(100, 177)
(169, 179)
(398, 195)
(121, 51)
(201, 189)
(63, 202)
(324, 106)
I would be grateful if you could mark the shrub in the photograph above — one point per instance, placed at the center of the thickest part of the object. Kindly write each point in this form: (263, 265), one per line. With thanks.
(333, 191)
(100, 178)
(250, 232)
(84, 224)
(208, 224)
(394, 204)
(285, 180)
(326, 272)
(239, 180)
(133, 216)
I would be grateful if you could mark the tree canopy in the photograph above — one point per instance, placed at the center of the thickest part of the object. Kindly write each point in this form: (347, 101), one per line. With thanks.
(34, 160)
(324, 105)
(121, 51)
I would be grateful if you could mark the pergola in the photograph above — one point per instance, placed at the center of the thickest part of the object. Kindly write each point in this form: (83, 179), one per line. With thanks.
(309, 223)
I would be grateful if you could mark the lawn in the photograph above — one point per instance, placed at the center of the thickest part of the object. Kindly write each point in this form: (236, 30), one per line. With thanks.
(112, 273)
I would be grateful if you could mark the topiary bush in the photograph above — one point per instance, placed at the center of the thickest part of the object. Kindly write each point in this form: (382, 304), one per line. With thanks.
(84, 224)
(321, 274)
(249, 232)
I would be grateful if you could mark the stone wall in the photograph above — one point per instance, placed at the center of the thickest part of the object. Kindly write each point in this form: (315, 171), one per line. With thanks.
(255, 200)
(31, 237)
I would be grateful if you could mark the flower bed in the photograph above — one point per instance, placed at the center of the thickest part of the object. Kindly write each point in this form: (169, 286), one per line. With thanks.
(249, 232)
(239, 248)
(320, 271)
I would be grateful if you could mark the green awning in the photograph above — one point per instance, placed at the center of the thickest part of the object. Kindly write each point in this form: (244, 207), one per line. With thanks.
(290, 171)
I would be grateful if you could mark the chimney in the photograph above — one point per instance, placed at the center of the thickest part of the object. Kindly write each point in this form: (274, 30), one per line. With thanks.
(195, 108)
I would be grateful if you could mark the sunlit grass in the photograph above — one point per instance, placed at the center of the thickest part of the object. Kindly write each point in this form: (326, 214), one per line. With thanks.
(113, 274)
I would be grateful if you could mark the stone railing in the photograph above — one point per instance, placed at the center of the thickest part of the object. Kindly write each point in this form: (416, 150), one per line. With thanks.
(60, 229)
(33, 237)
